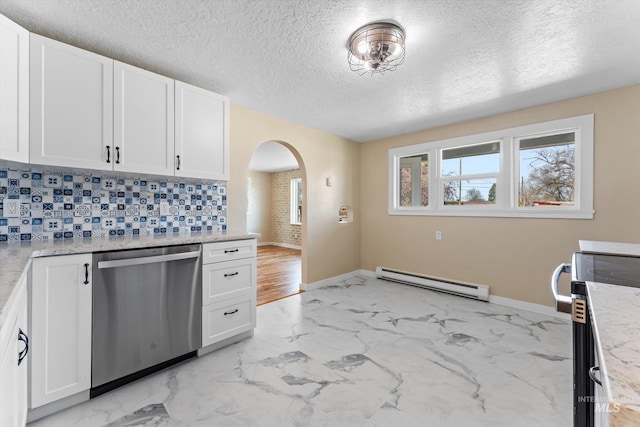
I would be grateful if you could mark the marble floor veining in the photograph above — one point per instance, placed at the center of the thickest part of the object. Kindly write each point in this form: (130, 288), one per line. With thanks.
(361, 353)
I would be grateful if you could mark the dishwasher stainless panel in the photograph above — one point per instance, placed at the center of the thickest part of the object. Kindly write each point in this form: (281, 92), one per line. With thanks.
(146, 309)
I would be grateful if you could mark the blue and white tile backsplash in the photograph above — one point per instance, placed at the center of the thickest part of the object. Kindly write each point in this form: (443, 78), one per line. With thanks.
(65, 205)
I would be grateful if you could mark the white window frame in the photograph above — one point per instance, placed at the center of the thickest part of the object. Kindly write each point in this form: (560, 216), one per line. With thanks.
(415, 165)
(507, 178)
(295, 201)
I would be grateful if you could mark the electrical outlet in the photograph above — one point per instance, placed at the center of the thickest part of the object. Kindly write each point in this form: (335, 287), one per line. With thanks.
(438, 235)
(11, 208)
(164, 208)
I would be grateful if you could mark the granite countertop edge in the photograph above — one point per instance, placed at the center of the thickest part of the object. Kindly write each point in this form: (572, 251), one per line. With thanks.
(616, 327)
(15, 257)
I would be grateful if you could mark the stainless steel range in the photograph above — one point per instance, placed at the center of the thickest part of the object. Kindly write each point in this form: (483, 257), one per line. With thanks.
(621, 269)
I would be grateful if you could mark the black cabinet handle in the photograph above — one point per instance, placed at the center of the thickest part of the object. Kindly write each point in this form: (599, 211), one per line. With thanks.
(226, 313)
(25, 339)
(108, 154)
(230, 251)
(117, 155)
(592, 374)
(86, 274)
(178, 168)
(230, 274)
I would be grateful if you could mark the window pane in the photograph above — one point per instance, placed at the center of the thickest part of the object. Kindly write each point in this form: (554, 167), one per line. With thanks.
(472, 159)
(296, 201)
(547, 171)
(414, 181)
(470, 192)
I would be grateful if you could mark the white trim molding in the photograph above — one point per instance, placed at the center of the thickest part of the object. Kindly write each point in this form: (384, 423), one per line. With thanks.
(282, 245)
(506, 179)
(528, 306)
(333, 280)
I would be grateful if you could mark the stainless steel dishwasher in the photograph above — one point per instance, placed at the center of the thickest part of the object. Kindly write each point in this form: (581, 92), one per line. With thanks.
(146, 312)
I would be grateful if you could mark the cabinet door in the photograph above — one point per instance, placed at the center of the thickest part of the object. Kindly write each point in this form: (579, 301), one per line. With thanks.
(143, 121)
(202, 133)
(13, 376)
(71, 105)
(60, 327)
(14, 92)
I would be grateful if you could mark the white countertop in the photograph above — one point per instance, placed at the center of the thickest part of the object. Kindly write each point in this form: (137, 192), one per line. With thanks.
(615, 312)
(592, 246)
(15, 258)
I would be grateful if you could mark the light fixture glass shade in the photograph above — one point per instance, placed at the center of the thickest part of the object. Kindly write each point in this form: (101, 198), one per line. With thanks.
(376, 47)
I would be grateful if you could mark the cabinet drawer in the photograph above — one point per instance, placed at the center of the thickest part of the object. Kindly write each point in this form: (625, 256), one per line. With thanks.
(221, 281)
(227, 251)
(224, 320)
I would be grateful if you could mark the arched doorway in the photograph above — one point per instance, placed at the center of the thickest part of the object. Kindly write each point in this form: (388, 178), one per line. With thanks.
(276, 190)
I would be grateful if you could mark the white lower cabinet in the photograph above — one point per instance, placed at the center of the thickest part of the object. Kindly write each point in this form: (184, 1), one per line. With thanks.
(228, 290)
(60, 327)
(225, 319)
(13, 361)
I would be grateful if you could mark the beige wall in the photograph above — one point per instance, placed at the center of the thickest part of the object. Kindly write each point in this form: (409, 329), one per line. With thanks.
(282, 231)
(328, 248)
(514, 256)
(259, 205)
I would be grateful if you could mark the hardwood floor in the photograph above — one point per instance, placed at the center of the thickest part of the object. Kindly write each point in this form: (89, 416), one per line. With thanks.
(279, 273)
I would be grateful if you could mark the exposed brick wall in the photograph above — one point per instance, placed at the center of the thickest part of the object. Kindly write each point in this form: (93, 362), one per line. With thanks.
(282, 231)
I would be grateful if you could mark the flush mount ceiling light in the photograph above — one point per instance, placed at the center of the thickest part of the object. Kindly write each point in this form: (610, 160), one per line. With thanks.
(376, 47)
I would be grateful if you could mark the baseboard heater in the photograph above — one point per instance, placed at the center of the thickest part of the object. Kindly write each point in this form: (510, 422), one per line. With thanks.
(468, 290)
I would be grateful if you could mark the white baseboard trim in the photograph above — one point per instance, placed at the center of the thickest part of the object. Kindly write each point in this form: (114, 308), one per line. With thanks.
(528, 306)
(330, 281)
(282, 245)
(493, 299)
(368, 273)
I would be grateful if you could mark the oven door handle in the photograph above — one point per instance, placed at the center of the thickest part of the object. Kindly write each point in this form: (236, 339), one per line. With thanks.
(147, 260)
(562, 268)
(592, 375)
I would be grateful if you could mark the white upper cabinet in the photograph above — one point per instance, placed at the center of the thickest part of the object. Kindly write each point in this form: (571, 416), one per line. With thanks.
(143, 121)
(71, 105)
(88, 111)
(14, 91)
(202, 133)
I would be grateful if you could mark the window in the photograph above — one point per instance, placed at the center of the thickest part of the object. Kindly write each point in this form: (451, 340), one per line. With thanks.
(547, 170)
(296, 201)
(414, 181)
(543, 170)
(469, 173)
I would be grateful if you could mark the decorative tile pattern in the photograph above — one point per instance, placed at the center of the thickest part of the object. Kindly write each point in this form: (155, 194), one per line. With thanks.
(65, 205)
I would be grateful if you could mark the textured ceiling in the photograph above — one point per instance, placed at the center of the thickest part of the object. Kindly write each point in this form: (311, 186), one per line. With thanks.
(465, 58)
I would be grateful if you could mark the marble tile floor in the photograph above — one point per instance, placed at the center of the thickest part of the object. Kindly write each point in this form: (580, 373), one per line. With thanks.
(361, 353)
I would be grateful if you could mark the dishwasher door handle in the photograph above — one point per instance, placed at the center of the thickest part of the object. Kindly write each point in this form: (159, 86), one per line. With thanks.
(147, 260)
